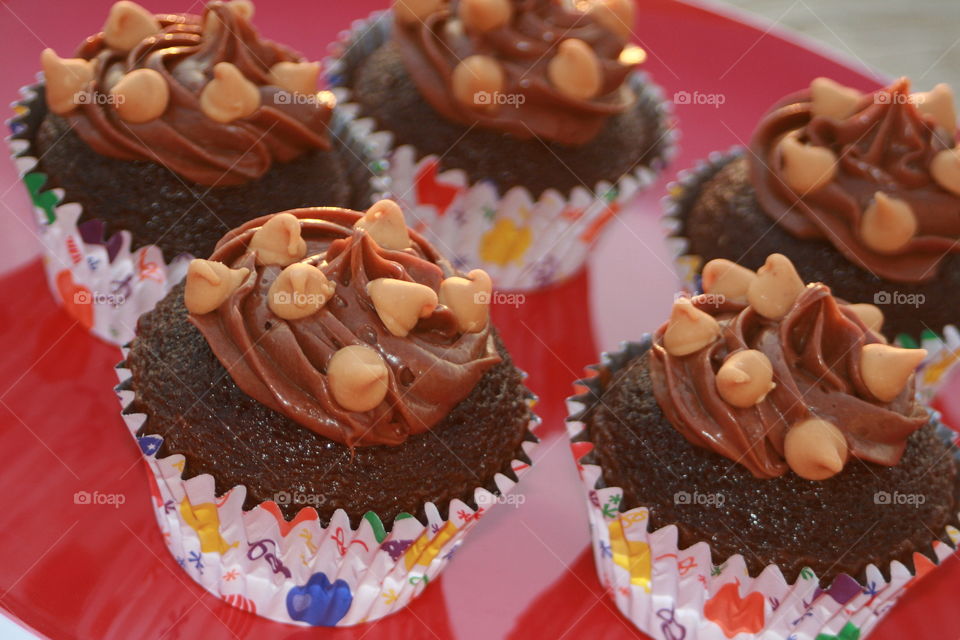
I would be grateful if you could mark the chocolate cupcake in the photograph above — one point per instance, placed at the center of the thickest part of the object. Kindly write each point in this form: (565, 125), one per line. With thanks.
(175, 128)
(328, 372)
(516, 128)
(763, 459)
(859, 190)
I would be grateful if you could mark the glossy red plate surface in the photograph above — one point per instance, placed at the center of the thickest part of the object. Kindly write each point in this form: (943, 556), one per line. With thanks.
(85, 571)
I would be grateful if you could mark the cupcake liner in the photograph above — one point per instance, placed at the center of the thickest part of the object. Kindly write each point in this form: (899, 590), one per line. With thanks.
(102, 282)
(943, 346)
(298, 571)
(678, 594)
(524, 243)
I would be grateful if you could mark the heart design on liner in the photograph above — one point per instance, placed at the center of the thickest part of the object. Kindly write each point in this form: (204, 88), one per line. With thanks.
(319, 603)
(735, 614)
(843, 590)
(850, 631)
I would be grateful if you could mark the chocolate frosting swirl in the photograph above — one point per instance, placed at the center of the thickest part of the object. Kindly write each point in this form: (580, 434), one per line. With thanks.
(282, 363)
(815, 353)
(886, 145)
(183, 139)
(432, 49)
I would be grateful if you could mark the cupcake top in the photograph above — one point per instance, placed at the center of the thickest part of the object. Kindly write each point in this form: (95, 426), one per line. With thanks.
(525, 67)
(777, 375)
(877, 175)
(349, 324)
(204, 96)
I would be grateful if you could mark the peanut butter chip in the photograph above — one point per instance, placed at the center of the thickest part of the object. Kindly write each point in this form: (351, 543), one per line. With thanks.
(776, 288)
(358, 378)
(279, 241)
(384, 223)
(408, 12)
(869, 314)
(615, 15)
(575, 70)
(485, 15)
(209, 284)
(299, 291)
(295, 77)
(141, 96)
(806, 168)
(476, 79)
(888, 224)
(938, 105)
(243, 9)
(229, 95)
(128, 24)
(833, 100)
(886, 370)
(65, 78)
(689, 329)
(401, 304)
(945, 169)
(815, 449)
(745, 378)
(728, 279)
(469, 299)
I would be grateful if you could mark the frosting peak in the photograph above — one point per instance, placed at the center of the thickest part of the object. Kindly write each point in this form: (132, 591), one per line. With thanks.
(525, 67)
(877, 175)
(802, 390)
(205, 96)
(313, 318)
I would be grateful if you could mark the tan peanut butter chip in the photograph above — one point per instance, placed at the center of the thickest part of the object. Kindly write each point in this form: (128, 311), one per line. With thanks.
(299, 291)
(295, 77)
(831, 99)
(485, 15)
(938, 105)
(615, 15)
(869, 314)
(945, 169)
(575, 70)
(128, 24)
(209, 284)
(358, 378)
(886, 370)
(469, 299)
(806, 168)
(888, 224)
(384, 223)
(689, 329)
(141, 96)
(776, 288)
(400, 304)
(229, 95)
(815, 449)
(745, 378)
(410, 12)
(279, 241)
(243, 9)
(722, 277)
(64, 78)
(475, 80)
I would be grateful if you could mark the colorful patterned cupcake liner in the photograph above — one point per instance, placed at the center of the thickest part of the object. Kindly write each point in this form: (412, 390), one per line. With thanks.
(103, 283)
(299, 571)
(943, 348)
(672, 593)
(524, 243)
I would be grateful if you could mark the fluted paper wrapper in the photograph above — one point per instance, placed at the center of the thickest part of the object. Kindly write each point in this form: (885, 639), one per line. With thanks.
(943, 347)
(523, 242)
(678, 594)
(103, 283)
(299, 571)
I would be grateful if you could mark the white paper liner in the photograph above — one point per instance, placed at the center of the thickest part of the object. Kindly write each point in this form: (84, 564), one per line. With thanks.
(101, 282)
(521, 242)
(678, 594)
(943, 348)
(258, 562)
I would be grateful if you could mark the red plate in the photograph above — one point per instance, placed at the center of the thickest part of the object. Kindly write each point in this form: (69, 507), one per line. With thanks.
(98, 571)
